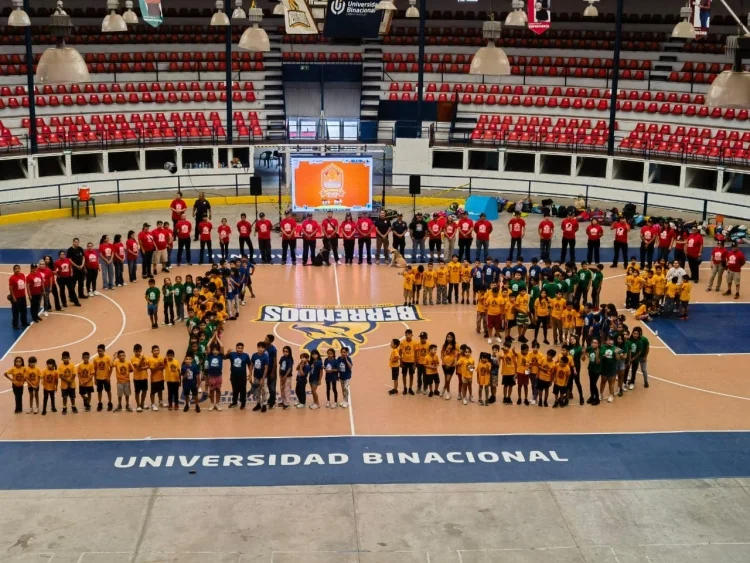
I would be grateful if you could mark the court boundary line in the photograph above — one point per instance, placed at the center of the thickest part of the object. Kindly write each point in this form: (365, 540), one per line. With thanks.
(123, 318)
(720, 394)
(89, 335)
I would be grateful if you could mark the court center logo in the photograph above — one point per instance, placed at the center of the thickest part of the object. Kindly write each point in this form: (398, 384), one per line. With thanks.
(338, 7)
(337, 327)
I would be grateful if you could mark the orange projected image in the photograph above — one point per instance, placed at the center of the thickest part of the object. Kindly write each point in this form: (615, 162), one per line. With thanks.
(331, 183)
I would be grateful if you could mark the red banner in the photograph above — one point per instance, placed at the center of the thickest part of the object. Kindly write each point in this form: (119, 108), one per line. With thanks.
(539, 15)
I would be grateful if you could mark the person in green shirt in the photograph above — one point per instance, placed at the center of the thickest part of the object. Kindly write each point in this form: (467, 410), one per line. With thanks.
(610, 357)
(516, 284)
(642, 360)
(583, 277)
(178, 291)
(575, 351)
(594, 358)
(596, 284)
(153, 295)
(167, 292)
(551, 288)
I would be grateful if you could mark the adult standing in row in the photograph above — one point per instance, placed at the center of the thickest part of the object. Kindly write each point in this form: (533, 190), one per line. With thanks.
(65, 281)
(288, 227)
(594, 232)
(364, 230)
(309, 237)
(735, 261)
(35, 288)
(666, 240)
(483, 230)
(18, 292)
(183, 229)
(516, 230)
(107, 258)
(348, 231)
(449, 233)
(382, 231)
(178, 207)
(330, 228)
(418, 231)
(435, 234)
(621, 229)
(263, 229)
(569, 228)
(465, 230)
(75, 254)
(546, 231)
(147, 246)
(649, 234)
(201, 212)
(694, 251)
(245, 229)
(718, 265)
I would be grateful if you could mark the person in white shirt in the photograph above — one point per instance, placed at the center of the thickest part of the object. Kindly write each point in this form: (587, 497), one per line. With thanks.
(676, 270)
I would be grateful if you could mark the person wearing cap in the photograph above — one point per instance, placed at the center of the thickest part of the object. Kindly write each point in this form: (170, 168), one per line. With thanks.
(364, 231)
(201, 212)
(735, 260)
(309, 237)
(399, 229)
(35, 288)
(348, 231)
(649, 234)
(694, 251)
(147, 246)
(465, 230)
(435, 232)
(718, 265)
(330, 228)
(546, 231)
(569, 227)
(382, 230)
(517, 230)
(418, 231)
(483, 230)
(263, 229)
(450, 228)
(288, 227)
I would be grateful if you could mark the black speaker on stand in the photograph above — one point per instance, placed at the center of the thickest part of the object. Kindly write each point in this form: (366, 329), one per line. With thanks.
(415, 188)
(256, 189)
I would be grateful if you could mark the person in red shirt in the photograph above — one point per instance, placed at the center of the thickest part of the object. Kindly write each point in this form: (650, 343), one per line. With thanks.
(224, 231)
(183, 229)
(118, 249)
(546, 231)
(331, 235)
(64, 271)
(204, 235)
(449, 234)
(465, 230)
(666, 240)
(621, 228)
(694, 251)
(649, 234)
(348, 232)
(245, 230)
(365, 229)
(147, 246)
(435, 232)
(594, 233)
(178, 207)
(517, 230)
(35, 287)
(735, 261)
(718, 265)
(569, 228)
(17, 289)
(107, 256)
(679, 247)
(161, 241)
(131, 255)
(91, 261)
(48, 276)
(263, 228)
(288, 227)
(483, 229)
(309, 237)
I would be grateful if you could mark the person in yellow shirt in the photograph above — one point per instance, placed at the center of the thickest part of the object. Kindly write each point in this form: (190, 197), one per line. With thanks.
(17, 377)
(85, 372)
(636, 285)
(562, 375)
(454, 278)
(156, 365)
(465, 274)
(556, 318)
(431, 364)
(449, 357)
(465, 369)
(408, 275)
(418, 280)
(428, 282)
(394, 362)
(408, 351)
(441, 281)
(671, 296)
(641, 314)
(522, 314)
(536, 360)
(422, 348)
(685, 289)
(495, 304)
(648, 286)
(481, 312)
(140, 377)
(569, 322)
(484, 368)
(580, 321)
(660, 286)
(102, 372)
(123, 370)
(508, 372)
(509, 312)
(67, 373)
(523, 371)
(633, 265)
(547, 372)
(50, 378)
(33, 378)
(172, 376)
(541, 314)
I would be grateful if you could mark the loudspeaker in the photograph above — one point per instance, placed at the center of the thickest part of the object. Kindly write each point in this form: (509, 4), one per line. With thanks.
(256, 185)
(415, 184)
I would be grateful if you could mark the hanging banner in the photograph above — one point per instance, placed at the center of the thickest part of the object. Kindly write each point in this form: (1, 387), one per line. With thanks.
(539, 15)
(701, 17)
(297, 18)
(353, 19)
(151, 12)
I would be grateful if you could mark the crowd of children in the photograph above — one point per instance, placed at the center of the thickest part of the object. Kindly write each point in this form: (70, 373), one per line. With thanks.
(663, 290)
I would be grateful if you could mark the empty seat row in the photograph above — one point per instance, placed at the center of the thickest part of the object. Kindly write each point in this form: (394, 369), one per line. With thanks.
(117, 87)
(321, 57)
(585, 62)
(578, 72)
(126, 68)
(133, 98)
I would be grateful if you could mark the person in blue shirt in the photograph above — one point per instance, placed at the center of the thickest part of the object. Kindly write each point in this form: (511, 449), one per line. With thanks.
(232, 294)
(535, 272)
(507, 270)
(190, 381)
(247, 269)
(489, 273)
(303, 371)
(477, 279)
(238, 372)
(519, 267)
(331, 367)
(316, 369)
(272, 369)
(345, 375)
(259, 367)
(286, 365)
(547, 271)
(214, 367)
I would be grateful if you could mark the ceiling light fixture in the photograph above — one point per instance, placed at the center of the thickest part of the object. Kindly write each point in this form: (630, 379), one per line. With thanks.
(238, 13)
(412, 11)
(684, 29)
(130, 17)
(517, 17)
(591, 11)
(113, 22)
(255, 37)
(61, 64)
(18, 17)
(219, 19)
(490, 60)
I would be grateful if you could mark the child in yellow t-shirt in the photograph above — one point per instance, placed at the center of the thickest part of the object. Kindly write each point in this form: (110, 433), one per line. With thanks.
(408, 285)
(557, 307)
(465, 369)
(17, 377)
(483, 378)
(660, 286)
(454, 278)
(536, 359)
(394, 362)
(562, 375)
(641, 314)
(671, 294)
(428, 282)
(508, 372)
(523, 371)
(481, 311)
(441, 283)
(33, 378)
(634, 294)
(50, 378)
(509, 312)
(465, 282)
(431, 364)
(569, 321)
(685, 290)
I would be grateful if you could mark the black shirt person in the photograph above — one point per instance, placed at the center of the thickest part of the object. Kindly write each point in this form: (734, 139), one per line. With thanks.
(399, 228)
(201, 210)
(382, 230)
(75, 254)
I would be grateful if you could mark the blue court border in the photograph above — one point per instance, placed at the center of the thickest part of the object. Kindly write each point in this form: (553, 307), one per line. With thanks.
(372, 460)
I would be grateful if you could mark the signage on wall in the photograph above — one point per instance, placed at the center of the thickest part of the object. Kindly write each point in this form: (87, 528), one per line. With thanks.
(151, 12)
(297, 18)
(539, 15)
(352, 19)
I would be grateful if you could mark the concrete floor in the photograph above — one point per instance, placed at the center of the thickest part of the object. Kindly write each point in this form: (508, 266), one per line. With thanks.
(608, 522)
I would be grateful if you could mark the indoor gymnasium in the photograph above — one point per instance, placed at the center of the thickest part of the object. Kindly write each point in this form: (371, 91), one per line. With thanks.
(342, 281)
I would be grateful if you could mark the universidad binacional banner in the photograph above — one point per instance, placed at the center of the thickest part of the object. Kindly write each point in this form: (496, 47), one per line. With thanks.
(352, 19)
(335, 183)
(539, 15)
